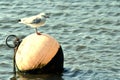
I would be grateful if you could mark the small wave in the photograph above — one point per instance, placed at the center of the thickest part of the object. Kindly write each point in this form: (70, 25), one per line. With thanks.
(80, 47)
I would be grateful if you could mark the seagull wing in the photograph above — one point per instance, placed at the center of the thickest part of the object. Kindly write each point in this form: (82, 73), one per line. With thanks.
(36, 21)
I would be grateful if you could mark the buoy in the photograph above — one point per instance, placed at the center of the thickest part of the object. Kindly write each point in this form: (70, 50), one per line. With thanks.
(39, 54)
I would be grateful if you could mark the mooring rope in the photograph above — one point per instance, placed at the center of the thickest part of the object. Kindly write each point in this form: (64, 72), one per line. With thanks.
(16, 41)
(15, 44)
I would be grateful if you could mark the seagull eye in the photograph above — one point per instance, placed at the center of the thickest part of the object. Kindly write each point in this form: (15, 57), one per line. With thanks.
(45, 16)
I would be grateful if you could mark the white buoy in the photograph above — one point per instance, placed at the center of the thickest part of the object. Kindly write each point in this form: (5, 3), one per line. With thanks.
(36, 51)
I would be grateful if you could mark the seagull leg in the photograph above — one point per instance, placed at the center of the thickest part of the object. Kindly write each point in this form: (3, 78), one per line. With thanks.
(36, 30)
(38, 33)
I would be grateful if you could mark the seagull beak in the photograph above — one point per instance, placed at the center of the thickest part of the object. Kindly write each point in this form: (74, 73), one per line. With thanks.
(47, 16)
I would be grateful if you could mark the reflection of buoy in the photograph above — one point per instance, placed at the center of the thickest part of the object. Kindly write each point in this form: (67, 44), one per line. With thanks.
(39, 53)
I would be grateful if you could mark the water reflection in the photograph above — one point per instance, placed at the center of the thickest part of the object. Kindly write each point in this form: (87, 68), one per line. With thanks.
(25, 76)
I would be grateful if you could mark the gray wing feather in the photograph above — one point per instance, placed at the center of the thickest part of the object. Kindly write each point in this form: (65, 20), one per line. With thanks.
(36, 21)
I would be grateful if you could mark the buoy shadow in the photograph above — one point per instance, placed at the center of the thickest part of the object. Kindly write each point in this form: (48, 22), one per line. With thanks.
(24, 76)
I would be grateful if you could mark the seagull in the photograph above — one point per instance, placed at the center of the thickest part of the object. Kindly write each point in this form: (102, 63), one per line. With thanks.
(35, 21)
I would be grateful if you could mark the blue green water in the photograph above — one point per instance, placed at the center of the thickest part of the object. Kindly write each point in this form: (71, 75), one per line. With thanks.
(88, 31)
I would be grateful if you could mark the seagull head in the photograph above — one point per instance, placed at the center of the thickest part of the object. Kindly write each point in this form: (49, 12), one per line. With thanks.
(44, 15)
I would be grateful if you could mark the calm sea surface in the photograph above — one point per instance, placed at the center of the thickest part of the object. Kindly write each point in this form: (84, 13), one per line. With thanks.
(88, 31)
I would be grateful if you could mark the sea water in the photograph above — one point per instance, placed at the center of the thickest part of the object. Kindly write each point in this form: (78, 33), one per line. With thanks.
(87, 30)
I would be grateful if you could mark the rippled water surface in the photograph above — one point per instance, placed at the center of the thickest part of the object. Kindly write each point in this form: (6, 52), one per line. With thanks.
(88, 31)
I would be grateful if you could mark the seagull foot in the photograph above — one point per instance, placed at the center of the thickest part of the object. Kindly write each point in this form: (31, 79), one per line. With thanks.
(38, 33)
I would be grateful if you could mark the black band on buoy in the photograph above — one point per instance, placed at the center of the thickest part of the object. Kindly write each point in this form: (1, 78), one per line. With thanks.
(16, 41)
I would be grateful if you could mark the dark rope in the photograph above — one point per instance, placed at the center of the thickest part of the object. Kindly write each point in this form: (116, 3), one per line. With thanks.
(16, 42)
